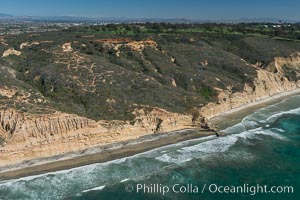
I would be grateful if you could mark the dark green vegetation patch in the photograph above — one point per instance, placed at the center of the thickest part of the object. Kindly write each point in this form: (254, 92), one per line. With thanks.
(102, 77)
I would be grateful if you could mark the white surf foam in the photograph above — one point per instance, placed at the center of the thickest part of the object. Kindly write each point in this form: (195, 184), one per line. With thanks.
(271, 133)
(245, 135)
(280, 114)
(244, 125)
(212, 146)
(95, 189)
(177, 158)
(124, 180)
(166, 158)
(253, 133)
(279, 130)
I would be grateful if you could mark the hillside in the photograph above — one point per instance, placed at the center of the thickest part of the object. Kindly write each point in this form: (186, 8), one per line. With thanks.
(63, 84)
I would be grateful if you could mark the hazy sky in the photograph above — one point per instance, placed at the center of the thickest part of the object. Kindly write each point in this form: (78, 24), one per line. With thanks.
(193, 9)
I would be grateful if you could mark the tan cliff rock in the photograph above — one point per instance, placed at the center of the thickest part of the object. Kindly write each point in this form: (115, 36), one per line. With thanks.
(265, 85)
(280, 64)
(148, 119)
(29, 136)
(31, 129)
(133, 45)
(3, 42)
(141, 45)
(32, 136)
(67, 47)
(7, 92)
(29, 44)
(173, 82)
(268, 82)
(11, 51)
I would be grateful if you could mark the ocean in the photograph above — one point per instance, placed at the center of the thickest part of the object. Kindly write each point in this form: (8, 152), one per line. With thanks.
(258, 159)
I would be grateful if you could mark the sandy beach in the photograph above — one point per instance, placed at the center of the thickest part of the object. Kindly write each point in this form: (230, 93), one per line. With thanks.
(145, 143)
(234, 116)
(104, 153)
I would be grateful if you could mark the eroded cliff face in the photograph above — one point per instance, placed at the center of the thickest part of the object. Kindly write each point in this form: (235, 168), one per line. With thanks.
(29, 130)
(286, 66)
(292, 61)
(265, 85)
(159, 120)
(32, 136)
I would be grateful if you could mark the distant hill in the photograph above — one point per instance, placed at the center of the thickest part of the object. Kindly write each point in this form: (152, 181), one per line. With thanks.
(5, 15)
(268, 20)
(75, 19)
(78, 19)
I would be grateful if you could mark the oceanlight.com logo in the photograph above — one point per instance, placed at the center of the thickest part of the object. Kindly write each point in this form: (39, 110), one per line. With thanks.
(208, 188)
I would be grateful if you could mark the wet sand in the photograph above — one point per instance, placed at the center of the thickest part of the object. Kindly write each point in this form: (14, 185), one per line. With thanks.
(129, 148)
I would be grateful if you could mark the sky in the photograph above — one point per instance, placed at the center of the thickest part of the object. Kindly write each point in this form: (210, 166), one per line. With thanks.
(189, 9)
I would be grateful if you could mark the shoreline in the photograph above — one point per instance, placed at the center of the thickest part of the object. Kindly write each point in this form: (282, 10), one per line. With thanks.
(107, 153)
(145, 143)
(235, 115)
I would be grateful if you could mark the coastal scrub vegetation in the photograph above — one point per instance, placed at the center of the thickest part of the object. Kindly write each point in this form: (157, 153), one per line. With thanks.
(107, 71)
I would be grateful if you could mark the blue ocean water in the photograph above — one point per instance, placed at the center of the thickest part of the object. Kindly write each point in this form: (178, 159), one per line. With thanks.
(262, 150)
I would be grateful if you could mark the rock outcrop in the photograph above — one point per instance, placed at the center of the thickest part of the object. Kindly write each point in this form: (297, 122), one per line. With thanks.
(29, 44)
(117, 43)
(149, 118)
(282, 65)
(7, 92)
(3, 42)
(11, 51)
(140, 45)
(67, 47)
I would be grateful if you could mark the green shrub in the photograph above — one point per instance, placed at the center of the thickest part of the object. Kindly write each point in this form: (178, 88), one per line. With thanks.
(2, 140)
(207, 92)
